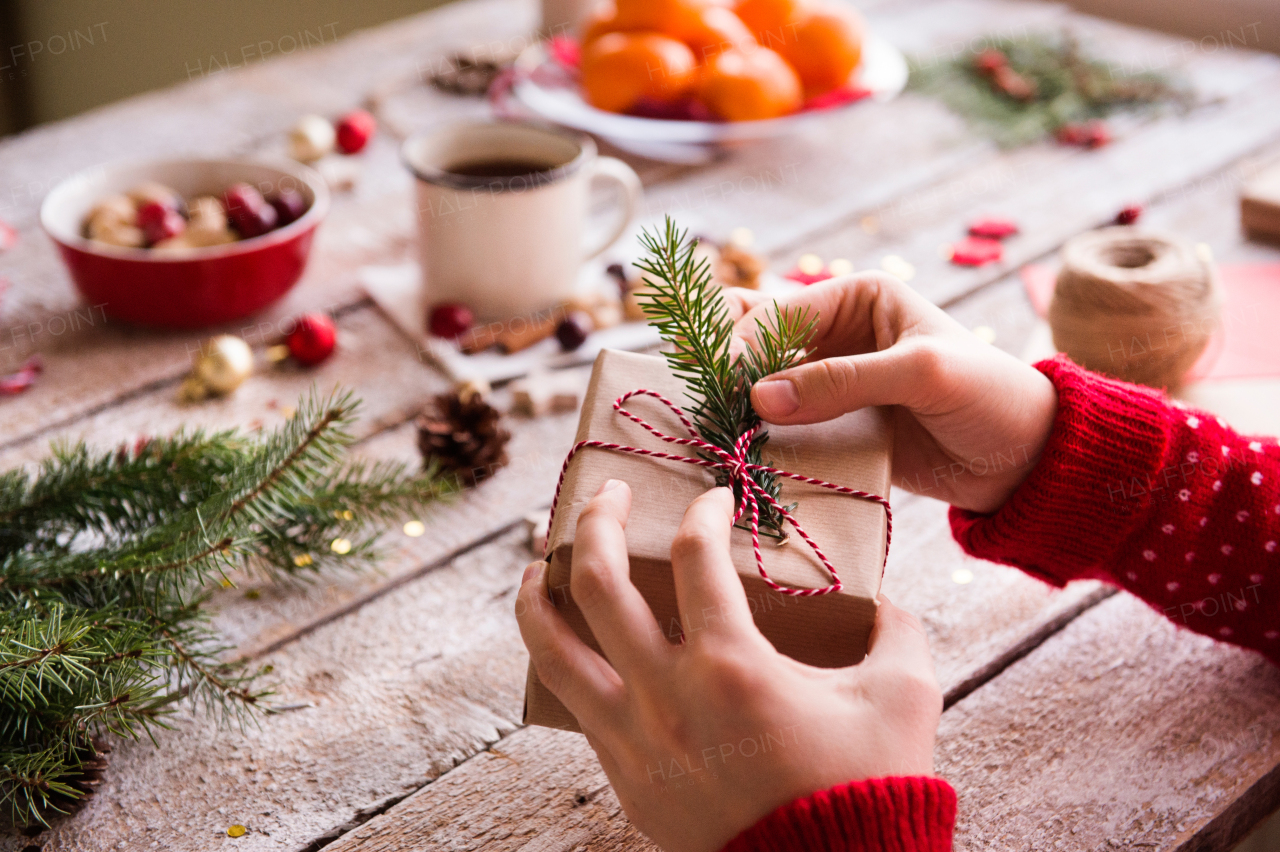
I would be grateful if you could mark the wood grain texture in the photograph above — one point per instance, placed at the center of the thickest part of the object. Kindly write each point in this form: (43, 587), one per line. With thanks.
(1122, 732)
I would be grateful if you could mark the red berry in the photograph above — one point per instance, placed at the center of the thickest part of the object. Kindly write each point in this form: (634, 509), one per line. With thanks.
(1097, 134)
(993, 228)
(989, 61)
(573, 330)
(354, 130)
(976, 251)
(159, 222)
(1129, 215)
(248, 211)
(289, 205)
(450, 321)
(312, 339)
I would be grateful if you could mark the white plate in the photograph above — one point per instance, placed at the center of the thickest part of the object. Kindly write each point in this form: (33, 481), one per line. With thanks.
(546, 88)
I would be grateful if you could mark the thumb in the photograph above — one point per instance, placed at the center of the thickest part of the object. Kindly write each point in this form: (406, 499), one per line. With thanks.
(826, 389)
(898, 642)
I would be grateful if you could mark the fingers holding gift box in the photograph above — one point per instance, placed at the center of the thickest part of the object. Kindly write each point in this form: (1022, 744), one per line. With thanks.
(824, 630)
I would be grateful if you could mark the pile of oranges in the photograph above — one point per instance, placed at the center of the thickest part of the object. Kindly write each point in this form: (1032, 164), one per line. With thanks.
(740, 60)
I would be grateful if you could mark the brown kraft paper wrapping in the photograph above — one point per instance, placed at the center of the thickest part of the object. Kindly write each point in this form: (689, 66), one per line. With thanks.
(854, 450)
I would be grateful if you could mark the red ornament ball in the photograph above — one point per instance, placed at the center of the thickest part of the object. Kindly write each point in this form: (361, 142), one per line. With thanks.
(1129, 215)
(354, 131)
(990, 60)
(312, 339)
(159, 222)
(976, 251)
(1087, 134)
(289, 205)
(450, 320)
(248, 211)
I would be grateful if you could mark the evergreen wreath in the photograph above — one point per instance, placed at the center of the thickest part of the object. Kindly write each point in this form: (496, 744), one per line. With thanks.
(689, 312)
(106, 559)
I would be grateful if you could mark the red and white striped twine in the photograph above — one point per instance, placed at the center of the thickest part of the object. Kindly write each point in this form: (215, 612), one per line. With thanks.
(735, 464)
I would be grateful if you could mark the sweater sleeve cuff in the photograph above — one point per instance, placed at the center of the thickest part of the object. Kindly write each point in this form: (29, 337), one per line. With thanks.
(915, 814)
(1090, 489)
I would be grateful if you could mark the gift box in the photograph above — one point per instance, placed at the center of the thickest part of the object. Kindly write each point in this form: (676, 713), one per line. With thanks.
(828, 630)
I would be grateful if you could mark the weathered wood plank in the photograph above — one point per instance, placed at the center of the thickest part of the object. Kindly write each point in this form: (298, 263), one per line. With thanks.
(1122, 732)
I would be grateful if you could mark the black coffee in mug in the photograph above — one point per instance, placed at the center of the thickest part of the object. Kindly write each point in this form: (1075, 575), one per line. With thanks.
(500, 168)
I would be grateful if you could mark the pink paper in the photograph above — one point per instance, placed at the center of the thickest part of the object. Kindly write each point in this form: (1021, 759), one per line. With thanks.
(1243, 349)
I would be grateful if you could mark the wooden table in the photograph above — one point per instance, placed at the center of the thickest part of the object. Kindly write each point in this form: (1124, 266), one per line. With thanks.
(1077, 719)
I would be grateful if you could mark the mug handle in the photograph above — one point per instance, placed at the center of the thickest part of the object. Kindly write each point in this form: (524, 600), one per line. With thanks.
(611, 168)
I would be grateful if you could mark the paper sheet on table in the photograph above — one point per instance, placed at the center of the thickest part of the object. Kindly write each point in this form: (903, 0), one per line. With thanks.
(397, 291)
(1244, 348)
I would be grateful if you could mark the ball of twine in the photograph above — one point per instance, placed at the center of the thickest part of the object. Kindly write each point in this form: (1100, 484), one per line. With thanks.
(1137, 306)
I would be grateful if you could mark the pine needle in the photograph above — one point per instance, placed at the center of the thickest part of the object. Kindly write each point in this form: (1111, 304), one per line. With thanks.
(686, 307)
(106, 561)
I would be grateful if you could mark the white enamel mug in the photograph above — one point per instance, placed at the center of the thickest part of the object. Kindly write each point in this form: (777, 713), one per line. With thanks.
(506, 246)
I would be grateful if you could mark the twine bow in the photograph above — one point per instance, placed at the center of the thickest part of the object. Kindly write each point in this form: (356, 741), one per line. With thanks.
(735, 465)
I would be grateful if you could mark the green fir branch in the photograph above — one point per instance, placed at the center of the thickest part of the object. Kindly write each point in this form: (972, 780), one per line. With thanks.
(1067, 87)
(107, 560)
(686, 307)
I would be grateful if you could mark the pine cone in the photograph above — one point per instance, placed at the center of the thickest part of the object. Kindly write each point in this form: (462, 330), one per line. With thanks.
(463, 438)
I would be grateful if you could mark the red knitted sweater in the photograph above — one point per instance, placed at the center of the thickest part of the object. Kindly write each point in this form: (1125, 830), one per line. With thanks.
(1166, 502)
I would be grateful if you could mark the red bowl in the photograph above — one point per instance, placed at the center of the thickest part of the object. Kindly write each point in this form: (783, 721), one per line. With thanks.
(203, 286)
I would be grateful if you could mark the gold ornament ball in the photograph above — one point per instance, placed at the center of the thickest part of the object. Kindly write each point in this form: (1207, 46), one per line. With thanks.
(225, 364)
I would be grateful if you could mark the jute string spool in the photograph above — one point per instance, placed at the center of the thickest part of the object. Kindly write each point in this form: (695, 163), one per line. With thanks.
(1137, 306)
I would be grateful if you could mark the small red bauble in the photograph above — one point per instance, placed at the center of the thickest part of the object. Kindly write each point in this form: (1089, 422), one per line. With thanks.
(1089, 134)
(354, 130)
(976, 251)
(1129, 215)
(312, 339)
(450, 321)
(989, 61)
(159, 222)
(289, 205)
(248, 211)
(993, 228)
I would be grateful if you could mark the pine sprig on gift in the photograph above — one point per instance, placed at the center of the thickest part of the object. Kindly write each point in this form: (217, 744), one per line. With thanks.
(106, 560)
(686, 307)
(1023, 89)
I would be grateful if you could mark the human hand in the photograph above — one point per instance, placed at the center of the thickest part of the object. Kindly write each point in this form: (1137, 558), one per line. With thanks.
(703, 739)
(970, 421)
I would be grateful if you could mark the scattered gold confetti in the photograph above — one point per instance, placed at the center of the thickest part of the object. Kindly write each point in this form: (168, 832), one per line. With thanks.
(1204, 252)
(226, 583)
(340, 546)
(348, 515)
(945, 251)
(287, 411)
(962, 576)
(302, 560)
(809, 264)
(276, 354)
(870, 224)
(897, 266)
(742, 238)
(985, 333)
(253, 594)
(414, 529)
(840, 266)
(236, 831)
